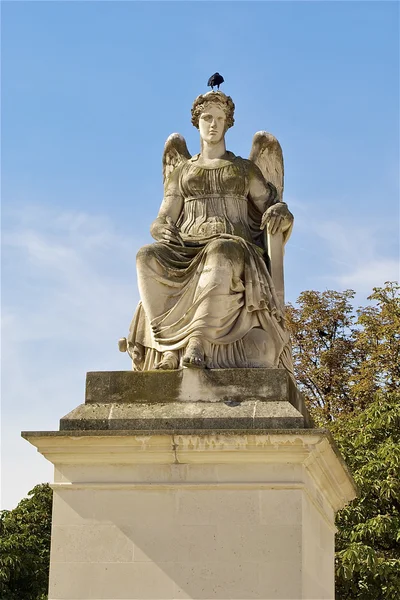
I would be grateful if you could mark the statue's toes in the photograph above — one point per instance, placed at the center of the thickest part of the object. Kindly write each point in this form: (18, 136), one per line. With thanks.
(163, 365)
(168, 363)
(194, 361)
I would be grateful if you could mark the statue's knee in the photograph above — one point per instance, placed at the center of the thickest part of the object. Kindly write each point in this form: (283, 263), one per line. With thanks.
(225, 248)
(145, 254)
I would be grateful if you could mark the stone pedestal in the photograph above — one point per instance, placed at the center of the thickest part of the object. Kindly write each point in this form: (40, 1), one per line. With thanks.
(200, 501)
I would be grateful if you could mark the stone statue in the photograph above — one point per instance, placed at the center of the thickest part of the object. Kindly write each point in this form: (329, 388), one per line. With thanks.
(208, 295)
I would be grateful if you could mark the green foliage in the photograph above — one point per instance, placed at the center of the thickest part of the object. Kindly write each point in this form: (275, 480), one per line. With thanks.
(368, 539)
(25, 547)
(342, 357)
(347, 364)
(378, 342)
(322, 329)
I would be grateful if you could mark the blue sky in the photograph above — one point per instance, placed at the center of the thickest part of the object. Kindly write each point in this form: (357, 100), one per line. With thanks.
(90, 92)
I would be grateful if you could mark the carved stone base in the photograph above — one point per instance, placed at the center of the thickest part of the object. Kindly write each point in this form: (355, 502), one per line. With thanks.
(175, 485)
(189, 399)
(221, 515)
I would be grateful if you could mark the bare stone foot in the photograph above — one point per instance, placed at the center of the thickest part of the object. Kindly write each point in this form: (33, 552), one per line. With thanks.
(194, 355)
(168, 362)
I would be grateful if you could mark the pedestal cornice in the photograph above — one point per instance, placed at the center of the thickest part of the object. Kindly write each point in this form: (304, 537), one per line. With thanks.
(312, 449)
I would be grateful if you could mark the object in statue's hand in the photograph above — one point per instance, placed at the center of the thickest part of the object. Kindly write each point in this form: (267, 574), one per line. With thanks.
(277, 218)
(165, 230)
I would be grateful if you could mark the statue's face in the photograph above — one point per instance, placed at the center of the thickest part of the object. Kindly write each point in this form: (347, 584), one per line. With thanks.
(212, 124)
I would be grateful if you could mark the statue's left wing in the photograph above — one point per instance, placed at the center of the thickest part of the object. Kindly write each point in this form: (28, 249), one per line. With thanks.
(266, 153)
(175, 152)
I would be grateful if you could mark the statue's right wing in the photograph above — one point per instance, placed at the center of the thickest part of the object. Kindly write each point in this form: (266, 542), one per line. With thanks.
(175, 152)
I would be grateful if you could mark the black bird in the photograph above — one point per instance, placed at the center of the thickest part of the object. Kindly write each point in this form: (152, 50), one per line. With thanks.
(215, 80)
(322, 333)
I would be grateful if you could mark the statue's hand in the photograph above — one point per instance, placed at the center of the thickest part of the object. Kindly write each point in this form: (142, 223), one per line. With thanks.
(165, 230)
(277, 218)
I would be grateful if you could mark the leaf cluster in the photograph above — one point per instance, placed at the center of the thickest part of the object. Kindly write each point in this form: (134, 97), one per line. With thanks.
(343, 356)
(25, 547)
(368, 539)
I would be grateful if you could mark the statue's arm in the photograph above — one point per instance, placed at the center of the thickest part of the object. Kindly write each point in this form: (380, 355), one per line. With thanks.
(262, 194)
(164, 228)
(275, 214)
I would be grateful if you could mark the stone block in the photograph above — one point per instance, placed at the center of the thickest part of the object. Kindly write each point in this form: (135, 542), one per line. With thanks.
(189, 399)
(220, 516)
(216, 580)
(191, 385)
(98, 542)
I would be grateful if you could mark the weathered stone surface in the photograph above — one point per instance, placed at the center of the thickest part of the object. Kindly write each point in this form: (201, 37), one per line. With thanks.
(179, 416)
(88, 416)
(197, 516)
(226, 399)
(192, 385)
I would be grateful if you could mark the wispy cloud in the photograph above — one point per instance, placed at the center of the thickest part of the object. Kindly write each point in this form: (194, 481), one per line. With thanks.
(69, 293)
(360, 255)
(346, 251)
(364, 277)
(72, 273)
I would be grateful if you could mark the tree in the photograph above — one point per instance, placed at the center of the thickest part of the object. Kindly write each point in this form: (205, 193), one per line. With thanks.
(347, 363)
(378, 343)
(25, 547)
(368, 538)
(322, 329)
(342, 357)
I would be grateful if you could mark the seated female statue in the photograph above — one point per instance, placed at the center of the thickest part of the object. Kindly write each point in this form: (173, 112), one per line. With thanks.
(207, 297)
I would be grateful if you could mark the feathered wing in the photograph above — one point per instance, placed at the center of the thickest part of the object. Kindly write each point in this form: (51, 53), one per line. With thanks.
(175, 152)
(266, 153)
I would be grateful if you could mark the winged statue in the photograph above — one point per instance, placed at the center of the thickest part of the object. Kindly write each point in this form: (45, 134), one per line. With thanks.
(211, 286)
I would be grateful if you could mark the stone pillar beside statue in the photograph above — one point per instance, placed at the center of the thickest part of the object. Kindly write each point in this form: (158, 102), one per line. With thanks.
(199, 474)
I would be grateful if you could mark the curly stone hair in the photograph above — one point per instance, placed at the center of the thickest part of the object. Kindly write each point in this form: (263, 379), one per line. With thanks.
(225, 102)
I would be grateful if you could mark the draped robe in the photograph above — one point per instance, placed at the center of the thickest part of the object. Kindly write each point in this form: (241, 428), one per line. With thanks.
(217, 286)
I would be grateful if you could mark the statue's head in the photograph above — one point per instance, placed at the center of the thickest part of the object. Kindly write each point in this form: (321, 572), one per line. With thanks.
(212, 114)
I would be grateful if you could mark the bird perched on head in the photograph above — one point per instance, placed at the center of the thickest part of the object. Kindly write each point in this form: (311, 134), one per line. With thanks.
(215, 80)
